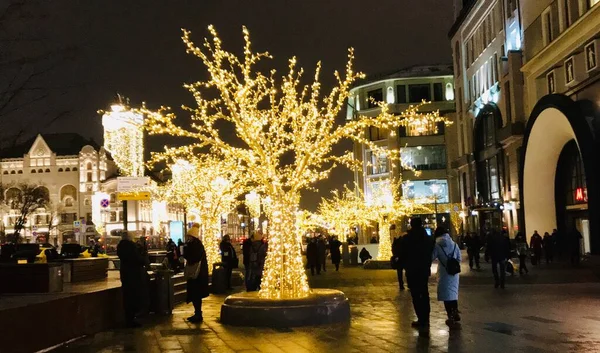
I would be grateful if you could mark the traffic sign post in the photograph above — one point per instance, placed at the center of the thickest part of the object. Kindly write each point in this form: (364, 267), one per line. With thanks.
(104, 203)
(134, 196)
(125, 184)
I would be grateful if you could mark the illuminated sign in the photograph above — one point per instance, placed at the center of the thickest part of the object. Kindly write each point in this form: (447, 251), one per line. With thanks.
(581, 195)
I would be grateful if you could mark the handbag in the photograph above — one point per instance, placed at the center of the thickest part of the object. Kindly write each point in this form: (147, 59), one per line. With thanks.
(191, 271)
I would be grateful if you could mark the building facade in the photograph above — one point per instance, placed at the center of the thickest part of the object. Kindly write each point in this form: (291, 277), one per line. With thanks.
(427, 149)
(486, 41)
(560, 175)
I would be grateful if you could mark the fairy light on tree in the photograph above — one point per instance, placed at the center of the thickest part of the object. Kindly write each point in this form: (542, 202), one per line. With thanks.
(285, 134)
(344, 210)
(124, 138)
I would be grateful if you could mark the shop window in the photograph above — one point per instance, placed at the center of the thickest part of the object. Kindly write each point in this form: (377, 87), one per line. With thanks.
(424, 157)
(419, 93)
(374, 97)
(424, 191)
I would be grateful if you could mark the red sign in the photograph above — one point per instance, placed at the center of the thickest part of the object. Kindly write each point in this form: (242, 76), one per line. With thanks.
(581, 195)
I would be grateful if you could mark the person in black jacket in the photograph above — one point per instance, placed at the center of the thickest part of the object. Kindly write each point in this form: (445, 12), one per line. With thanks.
(312, 256)
(473, 243)
(197, 288)
(228, 257)
(132, 277)
(334, 250)
(417, 248)
(397, 259)
(498, 249)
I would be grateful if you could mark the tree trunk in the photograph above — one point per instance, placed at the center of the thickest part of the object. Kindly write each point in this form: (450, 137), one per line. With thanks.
(211, 236)
(385, 244)
(284, 275)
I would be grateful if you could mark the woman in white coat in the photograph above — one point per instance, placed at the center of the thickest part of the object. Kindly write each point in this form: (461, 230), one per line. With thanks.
(447, 290)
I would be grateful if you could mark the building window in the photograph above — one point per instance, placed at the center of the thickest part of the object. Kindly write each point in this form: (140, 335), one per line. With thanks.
(550, 82)
(68, 202)
(47, 170)
(590, 56)
(74, 169)
(113, 216)
(89, 166)
(418, 93)
(438, 93)
(40, 171)
(376, 163)
(33, 171)
(67, 218)
(421, 191)
(401, 94)
(507, 179)
(424, 157)
(60, 169)
(20, 172)
(577, 185)
(67, 169)
(374, 97)
(89, 177)
(376, 134)
(465, 187)
(88, 218)
(5, 172)
(68, 191)
(547, 34)
(113, 198)
(508, 101)
(493, 179)
(87, 202)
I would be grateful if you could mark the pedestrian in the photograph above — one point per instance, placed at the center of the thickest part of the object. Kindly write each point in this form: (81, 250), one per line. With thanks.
(498, 250)
(364, 255)
(397, 259)
(374, 240)
(473, 243)
(322, 250)
(536, 244)
(559, 244)
(575, 246)
(228, 258)
(446, 251)
(548, 243)
(522, 250)
(334, 250)
(133, 276)
(172, 257)
(196, 272)
(258, 255)
(312, 256)
(417, 248)
(246, 256)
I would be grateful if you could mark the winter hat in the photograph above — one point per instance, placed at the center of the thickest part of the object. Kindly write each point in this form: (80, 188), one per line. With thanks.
(194, 231)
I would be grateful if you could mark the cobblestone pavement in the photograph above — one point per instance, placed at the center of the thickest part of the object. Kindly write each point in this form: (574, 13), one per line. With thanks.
(554, 309)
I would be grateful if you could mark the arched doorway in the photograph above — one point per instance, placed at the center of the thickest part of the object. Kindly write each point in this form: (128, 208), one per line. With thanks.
(558, 176)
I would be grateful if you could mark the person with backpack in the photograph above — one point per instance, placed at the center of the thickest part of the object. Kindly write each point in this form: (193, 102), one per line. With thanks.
(447, 252)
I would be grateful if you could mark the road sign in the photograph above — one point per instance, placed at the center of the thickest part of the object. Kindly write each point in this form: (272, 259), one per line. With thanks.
(104, 203)
(133, 196)
(125, 184)
(76, 224)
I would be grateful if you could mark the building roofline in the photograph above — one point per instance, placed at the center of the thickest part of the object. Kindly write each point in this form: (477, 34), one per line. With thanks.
(410, 72)
(464, 12)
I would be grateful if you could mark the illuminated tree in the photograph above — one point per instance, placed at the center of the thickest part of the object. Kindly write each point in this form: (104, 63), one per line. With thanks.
(284, 135)
(344, 210)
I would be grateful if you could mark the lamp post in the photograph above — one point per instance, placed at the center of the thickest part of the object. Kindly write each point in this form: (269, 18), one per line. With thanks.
(434, 190)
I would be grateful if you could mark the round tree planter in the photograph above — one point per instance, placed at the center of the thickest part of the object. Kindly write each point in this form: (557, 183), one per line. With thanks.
(377, 265)
(322, 306)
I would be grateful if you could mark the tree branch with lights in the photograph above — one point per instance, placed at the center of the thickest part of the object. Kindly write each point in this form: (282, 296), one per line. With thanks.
(284, 134)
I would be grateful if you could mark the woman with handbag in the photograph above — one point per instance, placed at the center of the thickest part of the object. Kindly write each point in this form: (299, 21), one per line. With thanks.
(448, 255)
(196, 272)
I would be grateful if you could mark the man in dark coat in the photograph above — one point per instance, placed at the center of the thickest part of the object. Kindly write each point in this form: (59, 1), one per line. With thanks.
(417, 248)
(548, 247)
(575, 246)
(536, 244)
(397, 259)
(473, 243)
(334, 250)
(197, 288)
(133, 275)
(246, 254)
(312, 256)
(498, 249)
(228, 257)
(322, 251)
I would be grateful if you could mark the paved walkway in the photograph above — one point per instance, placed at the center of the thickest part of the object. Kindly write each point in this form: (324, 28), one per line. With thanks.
(554, 309)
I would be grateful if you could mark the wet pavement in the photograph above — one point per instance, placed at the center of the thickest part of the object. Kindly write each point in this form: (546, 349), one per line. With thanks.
(553, 309)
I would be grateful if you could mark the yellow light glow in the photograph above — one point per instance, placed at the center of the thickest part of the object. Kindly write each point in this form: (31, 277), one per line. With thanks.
(124, 139)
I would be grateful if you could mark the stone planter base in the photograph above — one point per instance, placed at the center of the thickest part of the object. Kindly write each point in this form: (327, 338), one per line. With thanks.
(322, 306)
(377, 265)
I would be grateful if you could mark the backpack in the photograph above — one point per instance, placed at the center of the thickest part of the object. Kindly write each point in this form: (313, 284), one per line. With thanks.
(452, 265)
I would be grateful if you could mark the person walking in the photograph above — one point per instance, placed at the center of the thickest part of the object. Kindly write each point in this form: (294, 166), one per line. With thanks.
(172, 257)
(559, 244)
(312, 256)
(196, 272)
(132, 271)
(246, 256)
(258, 255)
(575, 246)
(228, 258)
(447, 252)
(536, 244)
(334, 250)
(522, 250)
(417, 248)
(473, 243)
(498, 250)
(548, 243)
(322, 251)
(397, 260)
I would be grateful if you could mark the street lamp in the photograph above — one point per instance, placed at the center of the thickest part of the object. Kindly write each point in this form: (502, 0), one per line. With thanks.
(435, 188)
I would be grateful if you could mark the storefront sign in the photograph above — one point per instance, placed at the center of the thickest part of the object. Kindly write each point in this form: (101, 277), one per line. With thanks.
(581, 195)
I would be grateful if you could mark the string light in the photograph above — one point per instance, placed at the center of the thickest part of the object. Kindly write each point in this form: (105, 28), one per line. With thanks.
(124, 138)
(287, 132)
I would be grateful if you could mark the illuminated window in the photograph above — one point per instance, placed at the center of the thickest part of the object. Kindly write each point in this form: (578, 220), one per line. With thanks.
(424, 157)
(376, 164)
(423, 190)
(376, 134)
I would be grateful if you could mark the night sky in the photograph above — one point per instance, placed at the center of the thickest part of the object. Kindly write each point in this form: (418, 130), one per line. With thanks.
(134, 48)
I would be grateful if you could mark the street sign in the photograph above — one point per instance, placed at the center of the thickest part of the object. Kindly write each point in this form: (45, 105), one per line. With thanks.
(76, 224)
(133, 196)
(104, 203)
(125, 184)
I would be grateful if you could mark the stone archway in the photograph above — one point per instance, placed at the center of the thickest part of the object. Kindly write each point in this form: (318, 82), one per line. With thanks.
(556, 121)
